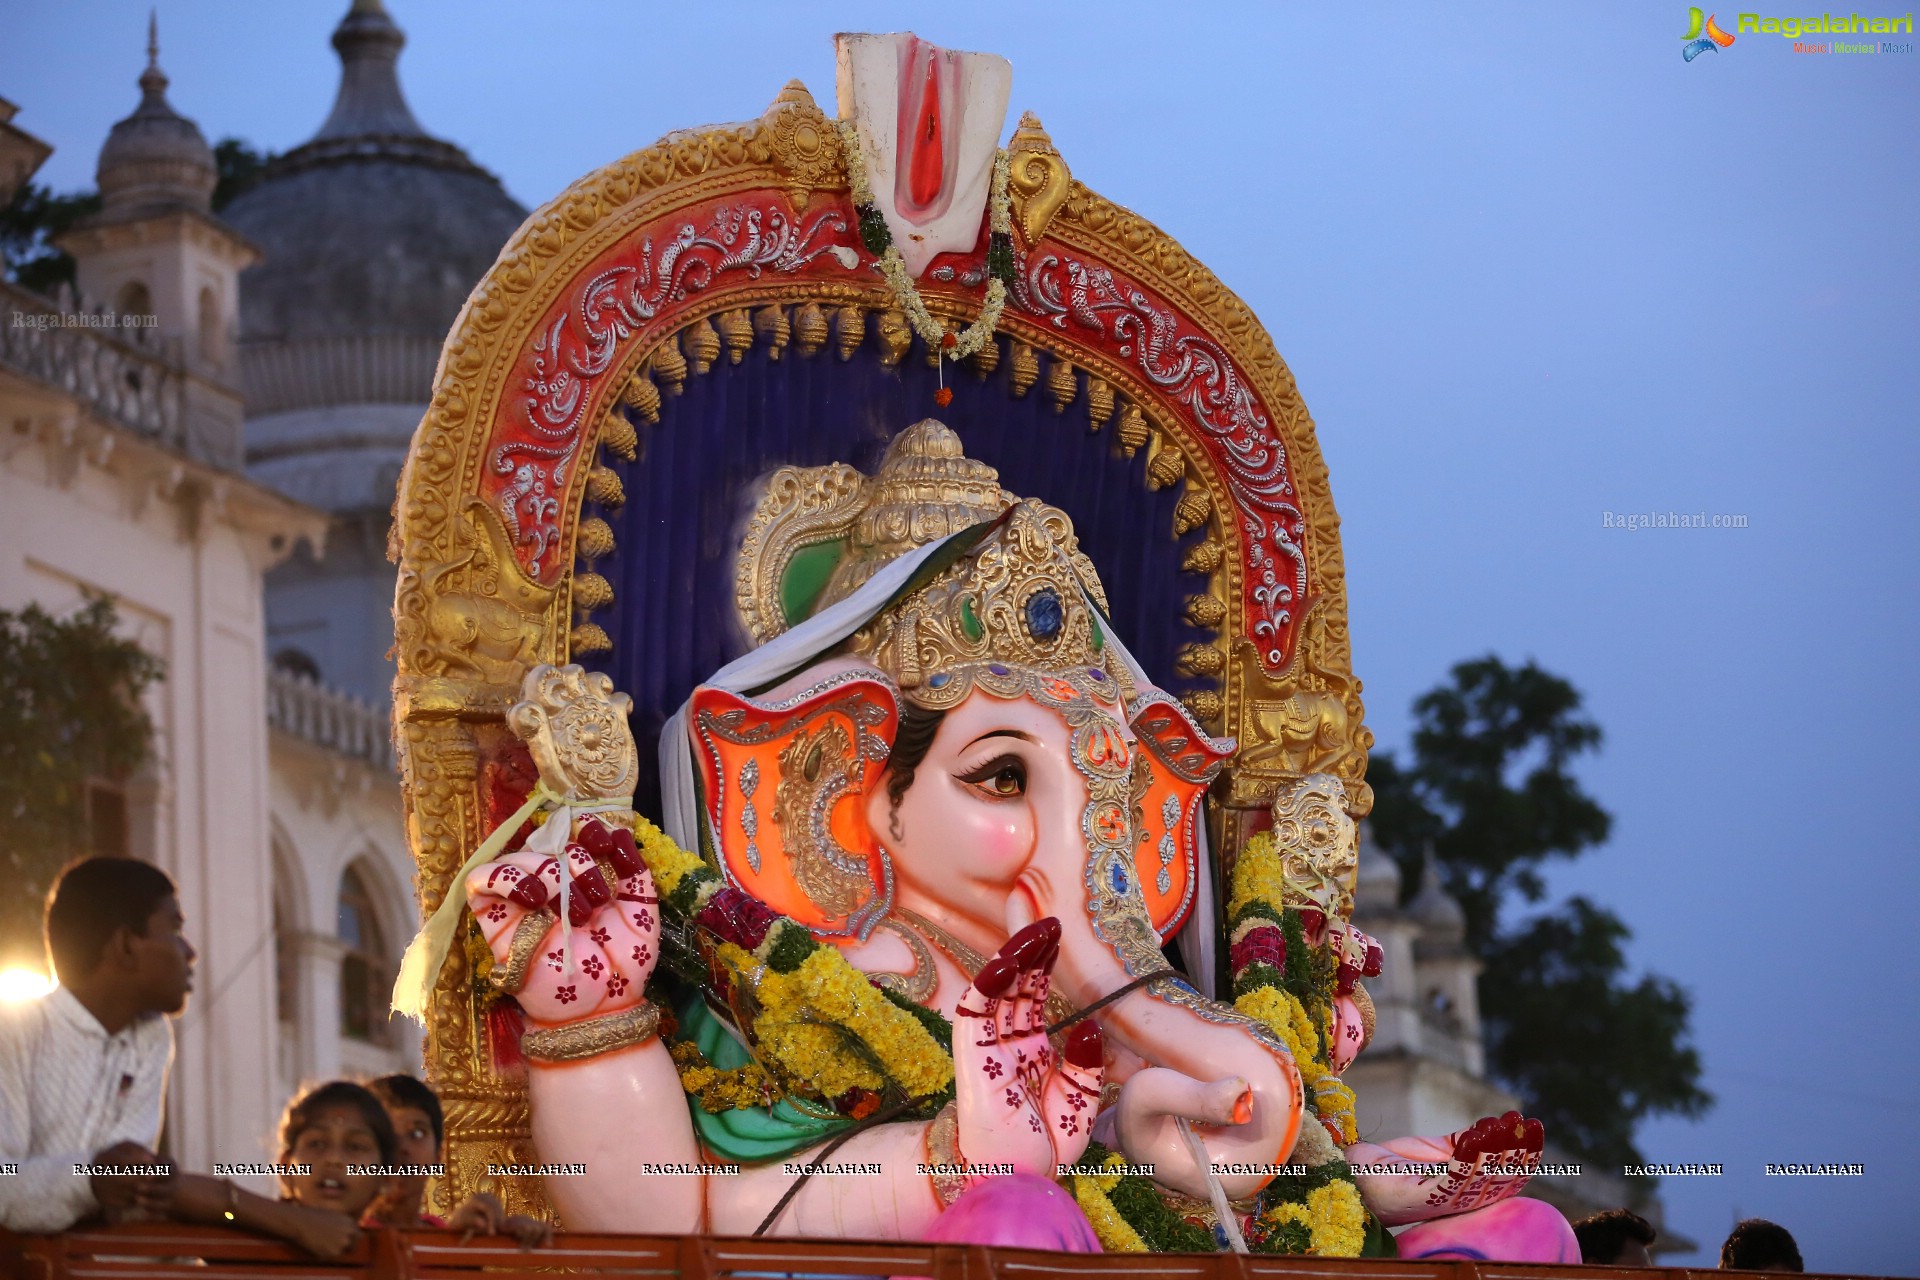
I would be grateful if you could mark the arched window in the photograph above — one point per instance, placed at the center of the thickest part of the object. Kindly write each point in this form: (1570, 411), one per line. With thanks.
(297, 662)
(133, 305)
(367, 971)
(212, 344)
(286, 972)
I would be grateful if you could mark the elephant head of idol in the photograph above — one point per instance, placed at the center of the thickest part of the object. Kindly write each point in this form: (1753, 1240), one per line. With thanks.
(938, 725)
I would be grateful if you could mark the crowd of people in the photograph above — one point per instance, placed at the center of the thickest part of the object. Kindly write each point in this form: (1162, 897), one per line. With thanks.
(1622, 1238)
(83, 1076)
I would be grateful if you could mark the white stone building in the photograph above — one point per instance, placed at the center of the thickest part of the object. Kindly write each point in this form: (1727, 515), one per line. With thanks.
(195, 467)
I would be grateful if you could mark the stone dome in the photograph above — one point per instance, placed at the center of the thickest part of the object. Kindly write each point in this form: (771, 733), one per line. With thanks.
(156, 159)
(1376, 888)
(373, 232)
(1441, 917)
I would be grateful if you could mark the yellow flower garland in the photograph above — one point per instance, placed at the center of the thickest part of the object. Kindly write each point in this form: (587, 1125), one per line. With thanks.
(1258, 875)
(1289, 1020)
(1334, 1214)
(1112, 1231)
(806, 1017)
(717, 1090)
(1339, 1220)
(668, 862)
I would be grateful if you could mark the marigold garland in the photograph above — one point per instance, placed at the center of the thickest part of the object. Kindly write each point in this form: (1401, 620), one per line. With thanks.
(1090, 1192)
(819, 1024)
(1339, 1220)
(718, 1090)
(1129, 1201)
(1289, 986)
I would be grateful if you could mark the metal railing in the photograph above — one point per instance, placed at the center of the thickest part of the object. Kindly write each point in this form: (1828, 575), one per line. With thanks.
(163, 1252)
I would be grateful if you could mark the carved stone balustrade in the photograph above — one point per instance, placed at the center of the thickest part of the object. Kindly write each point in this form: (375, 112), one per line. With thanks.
(302, 706)
(136, 384)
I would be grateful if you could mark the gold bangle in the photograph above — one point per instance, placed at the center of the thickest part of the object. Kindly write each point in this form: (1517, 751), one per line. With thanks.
(944, 1158)
(527, 937)
(592, 1036)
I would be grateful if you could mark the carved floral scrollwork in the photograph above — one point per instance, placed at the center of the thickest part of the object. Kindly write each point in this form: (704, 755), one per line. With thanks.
(1194, 371)
(584, 340)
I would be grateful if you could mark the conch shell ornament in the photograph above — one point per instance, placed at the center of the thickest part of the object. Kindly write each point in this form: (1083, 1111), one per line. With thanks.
(575, 726)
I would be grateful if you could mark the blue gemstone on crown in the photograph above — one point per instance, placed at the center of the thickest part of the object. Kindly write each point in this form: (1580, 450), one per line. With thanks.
(936, 681)
(996, 668)
(1045, 616)
(1117, 876)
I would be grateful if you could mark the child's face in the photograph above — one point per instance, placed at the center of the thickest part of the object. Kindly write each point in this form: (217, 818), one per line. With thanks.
(335, 1139)
(415, 1131)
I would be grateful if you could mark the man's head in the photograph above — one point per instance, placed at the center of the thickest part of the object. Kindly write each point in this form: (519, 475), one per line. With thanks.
(1618, 1236)
(118, 920)
(1759, 1245)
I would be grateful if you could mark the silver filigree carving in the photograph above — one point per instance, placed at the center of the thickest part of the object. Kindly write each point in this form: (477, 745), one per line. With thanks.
(1169, 819)
(610, 310)
(750, 816)
(1194, 371)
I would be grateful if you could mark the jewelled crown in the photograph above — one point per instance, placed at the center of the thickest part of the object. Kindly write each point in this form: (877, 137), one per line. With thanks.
(1018, 595)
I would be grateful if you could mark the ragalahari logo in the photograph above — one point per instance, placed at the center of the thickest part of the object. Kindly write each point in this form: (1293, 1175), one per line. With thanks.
(1703, 35)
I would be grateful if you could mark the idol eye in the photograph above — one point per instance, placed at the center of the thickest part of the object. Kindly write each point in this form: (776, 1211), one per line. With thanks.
(1001, 778)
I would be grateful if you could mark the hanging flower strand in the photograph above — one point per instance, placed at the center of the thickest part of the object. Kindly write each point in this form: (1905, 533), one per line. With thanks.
(878, 239)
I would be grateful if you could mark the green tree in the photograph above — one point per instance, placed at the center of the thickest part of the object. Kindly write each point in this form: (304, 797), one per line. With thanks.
(35, 216)
(1488, 793)
(239, 166)
(70, 714)
(28, 224)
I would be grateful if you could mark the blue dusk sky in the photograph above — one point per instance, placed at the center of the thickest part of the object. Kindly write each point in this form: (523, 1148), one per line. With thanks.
(1529, 267)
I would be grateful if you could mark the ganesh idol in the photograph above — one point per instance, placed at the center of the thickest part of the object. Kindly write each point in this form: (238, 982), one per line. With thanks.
(891, 963)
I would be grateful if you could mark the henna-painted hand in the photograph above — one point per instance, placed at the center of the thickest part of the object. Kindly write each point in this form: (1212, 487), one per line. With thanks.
(1491, 1159)
(1014, 1102)
(613, 925)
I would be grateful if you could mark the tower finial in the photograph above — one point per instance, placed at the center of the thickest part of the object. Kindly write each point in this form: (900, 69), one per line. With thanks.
(369, 103)
(153, 81)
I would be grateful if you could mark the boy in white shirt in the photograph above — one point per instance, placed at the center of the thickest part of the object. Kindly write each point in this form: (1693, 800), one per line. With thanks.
(83, 1071)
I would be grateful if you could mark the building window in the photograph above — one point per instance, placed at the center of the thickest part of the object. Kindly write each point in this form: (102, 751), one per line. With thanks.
(134, 305)
(212, 338)
(366, 973)
(286, 974)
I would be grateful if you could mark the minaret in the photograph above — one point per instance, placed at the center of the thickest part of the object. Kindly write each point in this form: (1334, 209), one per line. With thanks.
(157, 257)
(375, 231)
(1447, 974)
(369, 103)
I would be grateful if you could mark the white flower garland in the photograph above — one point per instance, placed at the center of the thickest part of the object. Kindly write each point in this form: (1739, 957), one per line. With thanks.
(894, 268)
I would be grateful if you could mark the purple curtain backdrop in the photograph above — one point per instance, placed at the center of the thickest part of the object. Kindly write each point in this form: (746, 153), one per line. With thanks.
(699, 471)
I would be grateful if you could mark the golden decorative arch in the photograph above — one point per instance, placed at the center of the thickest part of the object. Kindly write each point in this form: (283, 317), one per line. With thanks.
(694, 250)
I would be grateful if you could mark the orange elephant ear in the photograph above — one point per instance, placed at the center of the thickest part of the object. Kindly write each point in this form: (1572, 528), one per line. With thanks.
(1181, 761)
(783, 786)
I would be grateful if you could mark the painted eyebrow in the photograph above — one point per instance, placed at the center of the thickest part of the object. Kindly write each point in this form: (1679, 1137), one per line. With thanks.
(1000, 733)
